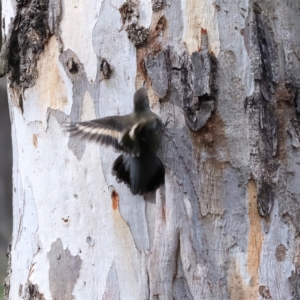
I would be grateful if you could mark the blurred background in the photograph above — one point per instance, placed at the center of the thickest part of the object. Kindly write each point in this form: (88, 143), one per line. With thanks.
(5, 182)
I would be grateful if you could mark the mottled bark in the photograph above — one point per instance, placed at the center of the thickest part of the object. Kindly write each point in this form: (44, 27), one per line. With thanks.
(226, 77)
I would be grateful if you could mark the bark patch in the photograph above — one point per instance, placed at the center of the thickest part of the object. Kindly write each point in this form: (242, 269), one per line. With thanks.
(31, 292)
(294, 280)
(136, 33)
(198, 80)
(181, 289)
(280, 252)
(237, 286)
(255, 239)
(263, 120)
(75, 71)
(112, 291)
(157, 5)
(72, 66)
(157, 70)
(55, 11)
(264, 292)
(29, 34)
(64, 271)
(34, 140)
(213, 185)
(90, 241)
(105, 68)
(199, 77)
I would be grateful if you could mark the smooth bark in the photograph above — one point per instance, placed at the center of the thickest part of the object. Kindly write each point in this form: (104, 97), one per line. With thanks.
(226, 223)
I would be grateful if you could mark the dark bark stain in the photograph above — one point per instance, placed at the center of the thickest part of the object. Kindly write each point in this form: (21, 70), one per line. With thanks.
(136, 33)
(157, 5)
(294, 281)
(264, 292)
(275, 103)
(115, 199)
(72, 66)
(64, 271)
(105, 68)
(29, 34)
(263, 105)
(280, 252)
(31, 292)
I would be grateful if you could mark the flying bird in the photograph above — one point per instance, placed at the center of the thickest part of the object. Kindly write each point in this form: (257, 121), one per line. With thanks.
(137, 137)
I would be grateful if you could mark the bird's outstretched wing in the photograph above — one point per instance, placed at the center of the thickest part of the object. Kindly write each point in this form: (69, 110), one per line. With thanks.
(109, 131)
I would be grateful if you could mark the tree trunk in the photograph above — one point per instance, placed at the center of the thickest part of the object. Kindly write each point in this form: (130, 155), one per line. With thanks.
(226, 76)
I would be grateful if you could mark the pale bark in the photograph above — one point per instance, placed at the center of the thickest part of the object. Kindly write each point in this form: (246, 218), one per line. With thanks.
(226, 223)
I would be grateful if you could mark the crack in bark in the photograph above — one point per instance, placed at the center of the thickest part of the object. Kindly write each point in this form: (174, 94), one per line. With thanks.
(263, 103)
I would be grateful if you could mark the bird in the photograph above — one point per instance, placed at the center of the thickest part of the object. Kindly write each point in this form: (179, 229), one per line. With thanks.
(137, 136)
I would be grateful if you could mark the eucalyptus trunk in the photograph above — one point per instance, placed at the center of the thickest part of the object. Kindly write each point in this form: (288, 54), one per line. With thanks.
(225, 78)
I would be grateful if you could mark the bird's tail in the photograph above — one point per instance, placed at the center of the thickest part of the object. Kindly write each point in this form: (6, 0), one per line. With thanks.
(142, 174)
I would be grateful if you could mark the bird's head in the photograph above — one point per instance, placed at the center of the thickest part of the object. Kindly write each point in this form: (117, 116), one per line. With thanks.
(141, 100)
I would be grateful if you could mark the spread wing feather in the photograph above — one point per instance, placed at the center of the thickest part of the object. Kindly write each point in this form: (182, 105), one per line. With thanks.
(106, 131)
(124, 133)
